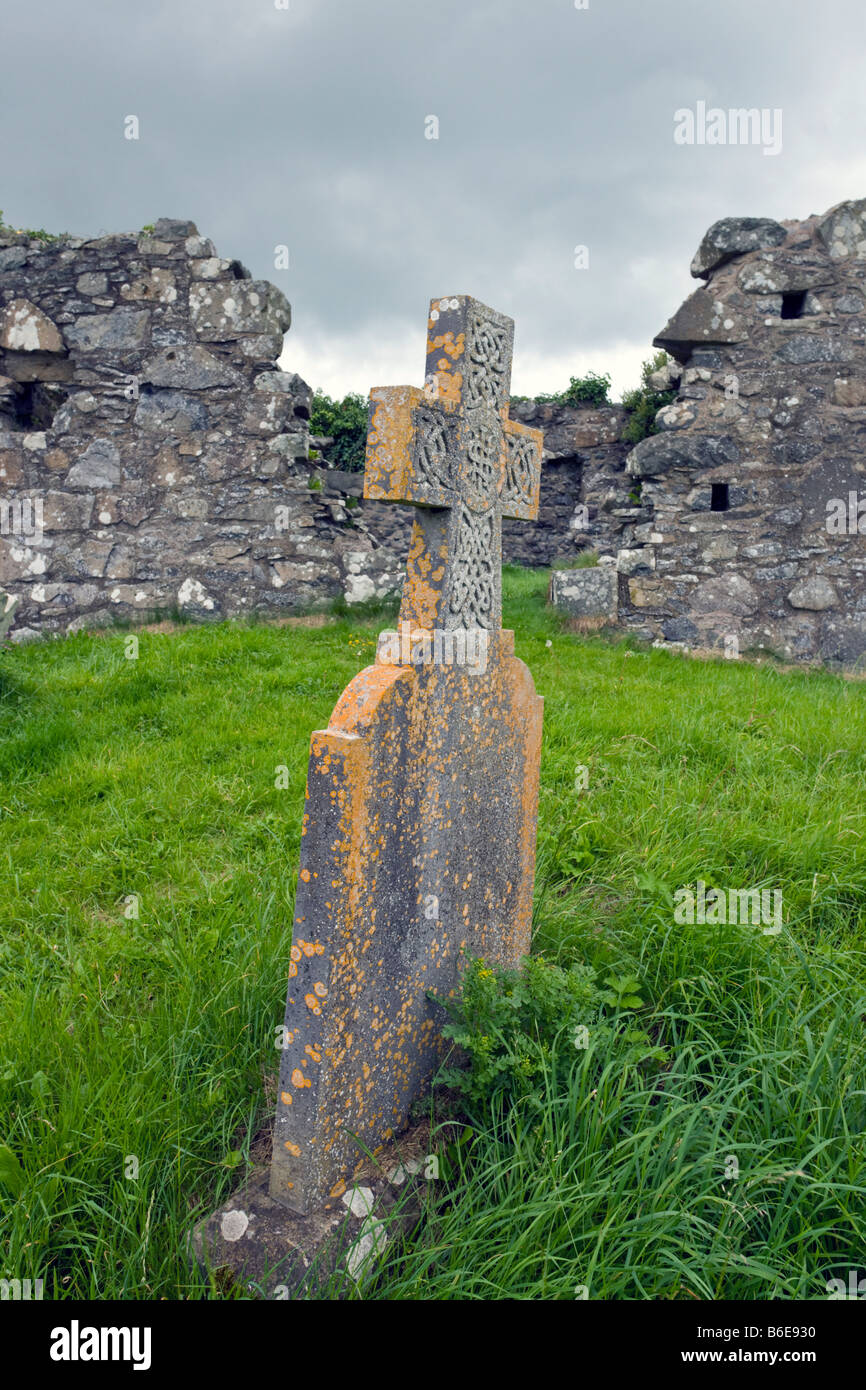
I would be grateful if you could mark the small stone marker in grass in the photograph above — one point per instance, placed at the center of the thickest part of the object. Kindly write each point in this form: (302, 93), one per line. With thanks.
(420, 818)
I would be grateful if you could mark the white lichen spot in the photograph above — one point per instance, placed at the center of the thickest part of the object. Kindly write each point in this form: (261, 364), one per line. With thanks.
(234, 1225)
(192, 591)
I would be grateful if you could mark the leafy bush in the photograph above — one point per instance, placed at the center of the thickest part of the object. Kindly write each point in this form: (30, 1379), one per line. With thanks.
(345, 422)
(592, 389)
(512, 1023)
(644, 402)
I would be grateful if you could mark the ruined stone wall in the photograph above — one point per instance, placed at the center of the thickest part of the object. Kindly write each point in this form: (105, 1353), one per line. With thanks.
(754, 492)
(584, 497)
(154, 458)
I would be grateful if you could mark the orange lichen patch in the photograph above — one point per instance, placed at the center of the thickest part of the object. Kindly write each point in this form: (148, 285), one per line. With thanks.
(305, 875)
(449, 385)
(388, 471)
(359, 702)
(298, 1078)
(286, 1097)
(311, 1051)
(312, 1003)
(422, 593)
(447, 343)
(338, 1189)
(319, 989)
(295, 952)
(293, 970)
(294, 1149)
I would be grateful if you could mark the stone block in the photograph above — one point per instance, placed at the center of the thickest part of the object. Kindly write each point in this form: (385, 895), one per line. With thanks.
(586, 593)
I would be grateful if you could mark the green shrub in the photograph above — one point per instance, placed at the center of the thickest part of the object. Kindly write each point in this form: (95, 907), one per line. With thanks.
(512, 1024)
(345, 422)
(592, 389)
(644, 403)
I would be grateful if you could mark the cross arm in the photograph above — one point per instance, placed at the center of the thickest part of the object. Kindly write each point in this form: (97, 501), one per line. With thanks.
(411, 447)
(522, 481)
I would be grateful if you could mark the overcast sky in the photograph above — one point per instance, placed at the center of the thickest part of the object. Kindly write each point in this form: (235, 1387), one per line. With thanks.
(307, 126)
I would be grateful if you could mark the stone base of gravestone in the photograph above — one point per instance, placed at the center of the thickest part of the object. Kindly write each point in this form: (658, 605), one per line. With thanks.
(256, 1245)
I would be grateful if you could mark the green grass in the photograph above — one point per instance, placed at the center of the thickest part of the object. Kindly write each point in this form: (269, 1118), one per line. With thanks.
(149, 1036)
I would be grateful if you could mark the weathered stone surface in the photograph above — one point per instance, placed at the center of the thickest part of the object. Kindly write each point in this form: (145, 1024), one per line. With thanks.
(586, 593)
(266, 1249)
(13, 258)
(98, 467)
(727, 594)
(120, 329)
(158, 286)
(703, 319)
(640, 561)
(25, 328)
(850, 391)
(174, 229)
(809, 347)
(222, 311)
(660, 453)
(440, 449)
(843, 231)
(779, 274)
(190, 368)
(815, 593)
(419, 831)
(171, 413)
(734, 236)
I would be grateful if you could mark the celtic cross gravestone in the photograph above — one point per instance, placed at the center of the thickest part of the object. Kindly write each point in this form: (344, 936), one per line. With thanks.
(418, 840)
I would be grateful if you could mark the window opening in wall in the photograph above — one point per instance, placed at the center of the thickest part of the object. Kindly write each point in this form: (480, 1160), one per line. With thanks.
(719, 500)
(793, 304)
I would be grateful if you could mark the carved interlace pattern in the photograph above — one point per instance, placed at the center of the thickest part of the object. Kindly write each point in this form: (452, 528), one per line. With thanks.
(431, 449)
(481, 473)
(489, 363)
(520, 469)
(473, 590)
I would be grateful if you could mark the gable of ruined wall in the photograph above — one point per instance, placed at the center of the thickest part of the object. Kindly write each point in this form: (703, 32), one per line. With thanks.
(773, 408)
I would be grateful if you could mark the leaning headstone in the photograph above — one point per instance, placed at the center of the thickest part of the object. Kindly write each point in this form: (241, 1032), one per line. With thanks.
(418, 839)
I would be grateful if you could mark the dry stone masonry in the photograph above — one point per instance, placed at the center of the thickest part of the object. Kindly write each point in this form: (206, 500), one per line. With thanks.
(753, 494)
(154, 458)
(152, 455)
